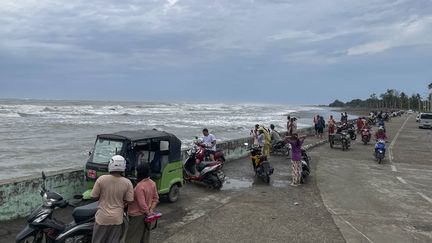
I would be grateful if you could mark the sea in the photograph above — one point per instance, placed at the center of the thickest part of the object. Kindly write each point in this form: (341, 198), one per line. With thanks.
(50, 135)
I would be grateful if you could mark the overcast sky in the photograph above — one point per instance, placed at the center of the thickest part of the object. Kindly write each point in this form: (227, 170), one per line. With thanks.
(272, 51)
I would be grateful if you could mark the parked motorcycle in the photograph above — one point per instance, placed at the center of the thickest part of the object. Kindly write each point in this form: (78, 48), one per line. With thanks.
(305, 166)
(366, 135)
(261, 165)
(380, 151)
(281, 148)
(210, 172)
(352, 131)
(340, 138)
(43, 227)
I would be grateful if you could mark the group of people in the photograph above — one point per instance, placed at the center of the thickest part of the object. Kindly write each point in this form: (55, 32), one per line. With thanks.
(319, 125)
(266, 139)
(116, 196)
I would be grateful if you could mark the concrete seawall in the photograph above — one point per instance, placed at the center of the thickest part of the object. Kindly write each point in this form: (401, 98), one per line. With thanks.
(18, 197)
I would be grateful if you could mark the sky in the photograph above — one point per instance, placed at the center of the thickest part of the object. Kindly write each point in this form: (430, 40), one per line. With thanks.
(269, 51)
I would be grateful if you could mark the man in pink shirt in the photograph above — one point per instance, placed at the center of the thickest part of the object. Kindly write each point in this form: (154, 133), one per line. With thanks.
(145, 200)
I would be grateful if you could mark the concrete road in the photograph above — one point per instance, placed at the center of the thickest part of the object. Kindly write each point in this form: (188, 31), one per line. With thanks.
(389, 202)
(245, 210)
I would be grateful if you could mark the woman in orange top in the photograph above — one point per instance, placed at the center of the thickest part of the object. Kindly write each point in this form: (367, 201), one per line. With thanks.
(145, 201)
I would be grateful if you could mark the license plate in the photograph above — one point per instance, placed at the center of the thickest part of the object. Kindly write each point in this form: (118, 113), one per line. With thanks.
(91, 174)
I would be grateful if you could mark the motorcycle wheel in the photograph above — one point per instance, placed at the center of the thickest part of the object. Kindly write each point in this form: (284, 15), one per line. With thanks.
(215, 182)
(173, 193)
(379, 161)
(33, 239)
(354, 137)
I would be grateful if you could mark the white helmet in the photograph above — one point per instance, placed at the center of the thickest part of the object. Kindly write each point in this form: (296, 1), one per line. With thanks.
(117, 164)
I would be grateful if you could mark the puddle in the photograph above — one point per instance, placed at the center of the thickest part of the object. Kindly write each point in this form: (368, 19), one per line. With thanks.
(232, 184)
(280, 183)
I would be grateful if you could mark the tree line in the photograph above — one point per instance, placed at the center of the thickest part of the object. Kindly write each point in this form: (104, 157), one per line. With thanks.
(391, 100)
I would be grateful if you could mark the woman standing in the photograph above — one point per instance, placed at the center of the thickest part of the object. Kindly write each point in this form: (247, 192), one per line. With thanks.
(296, 144)
(145, 201)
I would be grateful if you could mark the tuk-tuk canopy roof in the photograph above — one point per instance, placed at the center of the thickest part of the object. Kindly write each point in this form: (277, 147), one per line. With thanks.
(142, 135)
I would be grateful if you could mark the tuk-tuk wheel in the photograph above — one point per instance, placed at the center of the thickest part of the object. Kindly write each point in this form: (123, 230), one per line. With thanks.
(174, 193)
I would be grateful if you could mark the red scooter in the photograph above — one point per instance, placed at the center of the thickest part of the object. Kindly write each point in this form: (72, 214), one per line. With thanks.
(209, 172)
(366, 135)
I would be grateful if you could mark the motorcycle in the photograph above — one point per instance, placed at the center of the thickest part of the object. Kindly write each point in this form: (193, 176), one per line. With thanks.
(366, 135)
(352, 131)
(305, 166)
(210, 172)
(340, 138)
(380, 151)
(261, 165)
(43, 227)
(281, 148)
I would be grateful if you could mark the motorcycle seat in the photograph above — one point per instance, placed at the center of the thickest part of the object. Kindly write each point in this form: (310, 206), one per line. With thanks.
(84, 213)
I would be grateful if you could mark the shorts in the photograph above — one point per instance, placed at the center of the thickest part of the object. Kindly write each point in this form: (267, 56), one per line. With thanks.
(209, 152)
(320, 130)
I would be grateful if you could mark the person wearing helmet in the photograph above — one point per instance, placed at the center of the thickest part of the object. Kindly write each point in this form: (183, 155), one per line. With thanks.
(380, 134)
(112, 191)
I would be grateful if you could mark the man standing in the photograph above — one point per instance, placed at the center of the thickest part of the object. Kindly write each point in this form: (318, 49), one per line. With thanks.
(210, 142)
(112, 191)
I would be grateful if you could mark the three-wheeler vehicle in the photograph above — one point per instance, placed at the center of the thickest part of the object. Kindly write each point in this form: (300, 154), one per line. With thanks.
(160, 149)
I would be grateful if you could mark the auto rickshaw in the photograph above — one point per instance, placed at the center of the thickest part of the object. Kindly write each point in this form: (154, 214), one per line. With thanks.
(160, 149)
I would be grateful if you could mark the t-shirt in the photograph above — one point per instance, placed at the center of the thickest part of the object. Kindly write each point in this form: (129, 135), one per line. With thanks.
(208, 140)
(296, 146)
(146, 196)
(275, 136)
(112, 191)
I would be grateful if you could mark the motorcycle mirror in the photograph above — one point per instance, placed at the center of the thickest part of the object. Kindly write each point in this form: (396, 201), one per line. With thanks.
(43, 176)
(90, 153)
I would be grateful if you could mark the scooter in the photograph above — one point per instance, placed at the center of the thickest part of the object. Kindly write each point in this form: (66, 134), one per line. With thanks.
(43, 227)
(352, 131)
(380, 151)
(218, 154)
(260, 164)
(210, 172)
(366, 135)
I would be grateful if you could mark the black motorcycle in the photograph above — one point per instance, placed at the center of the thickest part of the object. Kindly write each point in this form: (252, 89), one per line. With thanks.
(305, 166)
(42, 227)
(280, 148)
(352, 131)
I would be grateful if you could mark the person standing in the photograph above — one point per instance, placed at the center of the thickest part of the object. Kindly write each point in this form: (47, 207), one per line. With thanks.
(296, 144)
(315, 122)
(288, 123)
(255, 134)
(321, 126)
(331, 127)
(145, 200)
(112, 191)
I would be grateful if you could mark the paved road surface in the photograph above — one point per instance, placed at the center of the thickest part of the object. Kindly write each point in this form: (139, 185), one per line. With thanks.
(388, 202)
